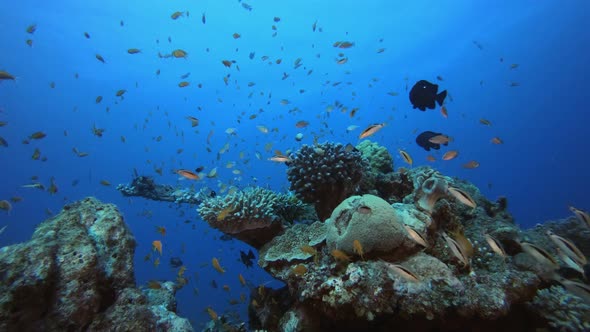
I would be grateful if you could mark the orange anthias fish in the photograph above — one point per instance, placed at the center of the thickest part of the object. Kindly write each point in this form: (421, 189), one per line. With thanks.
(302, 124)
(187, 174)
(497, 140)
(216, 265)
(280, 159)
(449, 155)
(161, 230)
(371, 130)
(471, 164)
(358, 248)
(157, 245)
(440, 139)
(444, 112)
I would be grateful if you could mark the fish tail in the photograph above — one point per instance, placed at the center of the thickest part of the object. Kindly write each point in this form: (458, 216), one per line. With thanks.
(440, 98)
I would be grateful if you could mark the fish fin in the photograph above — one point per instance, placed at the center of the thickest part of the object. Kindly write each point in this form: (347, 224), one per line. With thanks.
(440, 98)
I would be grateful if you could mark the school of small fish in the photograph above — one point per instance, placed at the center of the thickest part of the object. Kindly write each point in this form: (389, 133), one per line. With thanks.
(225, 130)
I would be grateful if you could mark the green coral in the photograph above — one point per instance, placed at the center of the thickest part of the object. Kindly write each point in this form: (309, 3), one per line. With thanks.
(254, 205)
(254, 215)
(380, 161)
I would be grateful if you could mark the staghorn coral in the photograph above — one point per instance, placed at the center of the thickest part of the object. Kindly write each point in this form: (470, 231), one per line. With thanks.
(563, 311)
(254, 215)
(325, 174)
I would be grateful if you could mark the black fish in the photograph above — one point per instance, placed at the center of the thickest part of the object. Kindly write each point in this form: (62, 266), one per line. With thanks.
(247, 258)
(175, 262)
(424, 94)
(423, 140)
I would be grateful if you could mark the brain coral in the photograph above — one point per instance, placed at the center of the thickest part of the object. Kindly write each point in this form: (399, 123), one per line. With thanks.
(325, 174)
(254, 215)
(368, 219)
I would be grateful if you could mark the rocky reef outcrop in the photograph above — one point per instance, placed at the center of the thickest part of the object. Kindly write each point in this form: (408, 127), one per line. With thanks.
(406, 249)
(423, 260)
(76, 273)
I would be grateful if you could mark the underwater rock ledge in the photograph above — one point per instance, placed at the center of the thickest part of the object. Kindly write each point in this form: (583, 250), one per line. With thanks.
(76, 273)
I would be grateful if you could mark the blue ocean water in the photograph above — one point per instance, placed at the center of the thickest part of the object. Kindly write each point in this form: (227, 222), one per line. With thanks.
(478, 49)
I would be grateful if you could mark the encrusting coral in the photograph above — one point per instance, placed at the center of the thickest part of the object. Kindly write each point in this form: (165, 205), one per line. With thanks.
(325, 174)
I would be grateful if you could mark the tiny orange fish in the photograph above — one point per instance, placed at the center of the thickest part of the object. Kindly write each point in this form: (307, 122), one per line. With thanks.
(187, 174)
(444, 112)
(161, 230)
(216, 265)
(157, 246)
(236, 35)
(471, 164)
(371, 130)
(497, 140)
(357, 248)
(449, 155)
(302, 124)
(299, 270)
(340, 256)
(212, 313)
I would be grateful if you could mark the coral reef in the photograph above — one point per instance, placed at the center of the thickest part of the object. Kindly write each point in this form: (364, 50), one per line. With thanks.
(145, 186)
(76, 272)
(379, 167)
(325, 174)
(253, 215)
(367, 219)
(369, 292)
(562, 310)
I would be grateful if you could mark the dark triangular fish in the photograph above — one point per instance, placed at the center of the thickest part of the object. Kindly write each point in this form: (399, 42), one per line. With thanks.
(424, 95)
(424, 140)
(247, 258)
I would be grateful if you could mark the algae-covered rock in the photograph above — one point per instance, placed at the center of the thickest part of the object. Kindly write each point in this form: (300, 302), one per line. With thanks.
(368, 219)
(76, 269)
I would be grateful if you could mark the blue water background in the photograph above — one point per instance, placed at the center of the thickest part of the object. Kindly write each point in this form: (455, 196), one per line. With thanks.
(542, 168)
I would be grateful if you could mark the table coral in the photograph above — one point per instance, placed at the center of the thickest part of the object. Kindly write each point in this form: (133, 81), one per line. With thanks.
(253, 215)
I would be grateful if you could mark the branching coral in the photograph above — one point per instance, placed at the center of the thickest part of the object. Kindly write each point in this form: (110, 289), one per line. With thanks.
(325, 175)
(254, 215)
